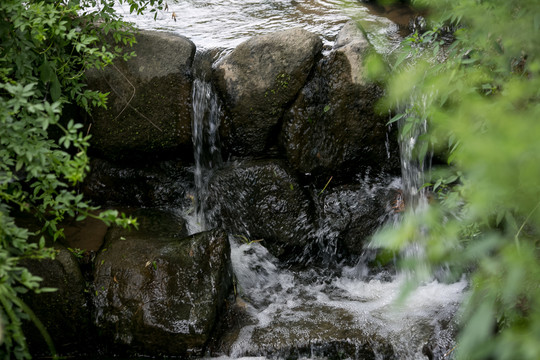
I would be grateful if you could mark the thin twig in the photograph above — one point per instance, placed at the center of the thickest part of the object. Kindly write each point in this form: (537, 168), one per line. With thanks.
(132, 86)
(449, 352)
(128, 103)
(324, 188)
(516, 238)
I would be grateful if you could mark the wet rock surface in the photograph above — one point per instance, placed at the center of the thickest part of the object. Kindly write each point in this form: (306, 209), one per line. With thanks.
(332, 128)
(257, 80)
(149, 106)
(150, 184)
(64, 313)
(160, 294)
(351, 214)
(262, 200)
(317, 331)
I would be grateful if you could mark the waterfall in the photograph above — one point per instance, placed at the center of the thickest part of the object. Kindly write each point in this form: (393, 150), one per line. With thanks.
(413, 157)
(415, 161)
(315, 311)
(206, 147)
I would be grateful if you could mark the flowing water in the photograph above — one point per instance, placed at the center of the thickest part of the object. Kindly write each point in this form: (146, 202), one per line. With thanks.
(316, 312)
(307, 312)
(207, 154)
(227, 23)
(415, 159)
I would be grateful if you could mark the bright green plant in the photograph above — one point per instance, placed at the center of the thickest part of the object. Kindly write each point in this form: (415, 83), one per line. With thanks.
(78, 253)
(244, 239)
(46, 47)
(475, 77)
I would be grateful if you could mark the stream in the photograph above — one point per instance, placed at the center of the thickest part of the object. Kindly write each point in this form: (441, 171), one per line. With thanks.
(226, 23)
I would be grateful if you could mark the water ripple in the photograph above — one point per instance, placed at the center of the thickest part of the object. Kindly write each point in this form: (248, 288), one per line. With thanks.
(226, 23)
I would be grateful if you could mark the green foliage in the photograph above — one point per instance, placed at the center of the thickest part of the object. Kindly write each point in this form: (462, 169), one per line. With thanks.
(244, 239)
(475, 77)
(46, 47)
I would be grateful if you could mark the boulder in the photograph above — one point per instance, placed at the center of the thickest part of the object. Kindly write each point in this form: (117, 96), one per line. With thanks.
(64, 313)
(156, 223)
(149, 106)
(351, 214)
(313, 331)
(262, 200)
(157, 294)
(258, 80)
(332, 128)
(159, 183)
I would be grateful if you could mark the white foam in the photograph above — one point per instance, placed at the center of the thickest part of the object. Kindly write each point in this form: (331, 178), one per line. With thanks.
(281, 299)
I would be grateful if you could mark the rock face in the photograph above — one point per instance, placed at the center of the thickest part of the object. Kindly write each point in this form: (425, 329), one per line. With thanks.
(351, 214)
(262, 200)
(165, 296)
(258, 79)
(159, 183)
(65, 312)
(320, 332)
(333, 128)
(149, 107)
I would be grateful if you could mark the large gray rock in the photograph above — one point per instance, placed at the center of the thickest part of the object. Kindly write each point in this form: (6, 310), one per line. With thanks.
(261, 200)
(161, 295)
(258, 79)
(333, 128)
(149, 107)
(64, 313)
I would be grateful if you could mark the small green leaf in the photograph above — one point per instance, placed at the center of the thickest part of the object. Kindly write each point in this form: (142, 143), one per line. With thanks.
(437, 184)
(55, 89)
(46, 72)
(407, 128)
(395, 118)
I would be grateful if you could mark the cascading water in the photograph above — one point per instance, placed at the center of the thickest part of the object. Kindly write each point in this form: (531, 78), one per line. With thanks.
(318, 312)
(207, 154)
(414, 160)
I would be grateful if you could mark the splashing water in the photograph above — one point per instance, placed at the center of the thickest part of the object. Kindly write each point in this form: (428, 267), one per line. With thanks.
(306, 312)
